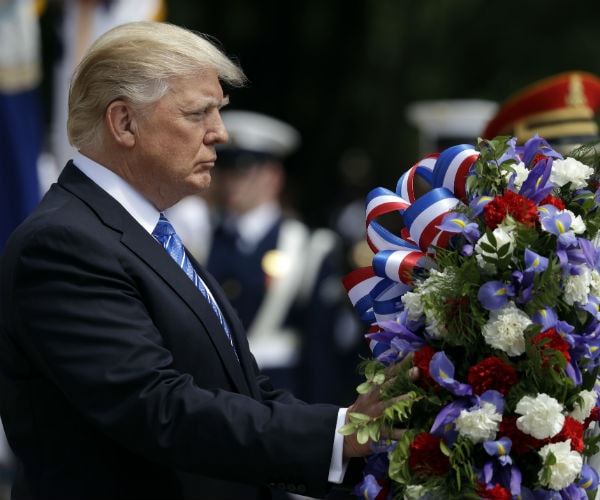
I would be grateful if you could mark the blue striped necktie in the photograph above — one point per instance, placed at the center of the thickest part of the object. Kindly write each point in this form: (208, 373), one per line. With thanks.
(165, 234)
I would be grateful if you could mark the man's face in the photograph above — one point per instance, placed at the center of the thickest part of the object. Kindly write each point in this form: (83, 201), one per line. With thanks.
(176, 139)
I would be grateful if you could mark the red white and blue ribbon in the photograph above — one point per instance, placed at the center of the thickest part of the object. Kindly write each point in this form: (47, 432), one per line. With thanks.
(375, 290)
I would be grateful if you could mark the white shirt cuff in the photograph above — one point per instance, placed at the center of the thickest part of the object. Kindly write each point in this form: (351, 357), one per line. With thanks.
(338, 466)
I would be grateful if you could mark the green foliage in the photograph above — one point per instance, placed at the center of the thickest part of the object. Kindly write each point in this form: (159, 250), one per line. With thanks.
(488, 173)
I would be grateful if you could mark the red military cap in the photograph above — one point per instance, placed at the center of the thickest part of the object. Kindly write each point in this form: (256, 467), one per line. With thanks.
(561, 109)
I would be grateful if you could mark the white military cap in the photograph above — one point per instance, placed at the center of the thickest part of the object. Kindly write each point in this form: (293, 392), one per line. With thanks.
(442, 123)
(253, 132)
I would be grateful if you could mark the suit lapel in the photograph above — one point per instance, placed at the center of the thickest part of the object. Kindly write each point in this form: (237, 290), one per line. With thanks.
(143, 245)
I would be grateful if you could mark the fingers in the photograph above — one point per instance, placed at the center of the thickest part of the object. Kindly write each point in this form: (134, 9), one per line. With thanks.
(404, 366)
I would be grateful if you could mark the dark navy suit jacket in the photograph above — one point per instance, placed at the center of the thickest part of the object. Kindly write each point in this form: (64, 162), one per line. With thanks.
(117, 379)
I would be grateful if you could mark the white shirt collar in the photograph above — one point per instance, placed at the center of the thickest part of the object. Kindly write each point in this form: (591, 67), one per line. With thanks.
(254, 225)
(138, 207)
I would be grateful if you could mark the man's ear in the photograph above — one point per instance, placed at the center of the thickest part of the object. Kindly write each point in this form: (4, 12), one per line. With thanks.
(120, 122)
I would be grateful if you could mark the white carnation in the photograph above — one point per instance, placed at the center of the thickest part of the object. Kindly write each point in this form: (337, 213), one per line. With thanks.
(413, 305)
(521, 172)
(595, 283)
(565, 469)
(570, 170)
(437, 285)
(577, 287)
(541, 417)
(582, 410)
(479, 425)
(577, 224)
(504, 329)
(502, 238)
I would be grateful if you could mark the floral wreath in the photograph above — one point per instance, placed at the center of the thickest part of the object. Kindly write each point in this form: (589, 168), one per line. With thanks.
(492, 286)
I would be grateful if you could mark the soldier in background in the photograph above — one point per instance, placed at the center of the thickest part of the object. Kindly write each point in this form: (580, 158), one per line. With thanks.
(562, 109)
(282, 276)
(447, 122)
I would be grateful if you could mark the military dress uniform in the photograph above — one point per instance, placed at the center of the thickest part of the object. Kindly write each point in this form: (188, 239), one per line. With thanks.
(282, 277)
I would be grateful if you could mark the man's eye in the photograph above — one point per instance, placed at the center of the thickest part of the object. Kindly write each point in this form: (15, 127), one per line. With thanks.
(196, 115)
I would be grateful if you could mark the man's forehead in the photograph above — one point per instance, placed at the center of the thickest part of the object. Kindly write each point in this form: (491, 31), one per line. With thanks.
(198, 90)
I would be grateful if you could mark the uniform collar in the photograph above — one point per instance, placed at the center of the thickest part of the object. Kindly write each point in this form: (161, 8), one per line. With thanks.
(254, 225)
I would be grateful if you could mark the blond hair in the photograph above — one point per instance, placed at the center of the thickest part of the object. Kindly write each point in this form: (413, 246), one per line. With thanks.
(135, 62)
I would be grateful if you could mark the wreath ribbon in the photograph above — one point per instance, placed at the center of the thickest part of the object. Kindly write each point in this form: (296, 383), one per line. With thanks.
(375, 290)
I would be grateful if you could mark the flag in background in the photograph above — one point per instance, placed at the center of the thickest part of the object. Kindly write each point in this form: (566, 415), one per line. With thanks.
(21, 125)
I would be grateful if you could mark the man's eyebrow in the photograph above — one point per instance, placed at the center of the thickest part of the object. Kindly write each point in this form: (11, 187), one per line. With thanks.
(224, 102)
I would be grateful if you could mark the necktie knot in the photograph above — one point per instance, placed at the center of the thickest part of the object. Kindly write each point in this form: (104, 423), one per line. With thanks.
(165, 234)
(163, 230)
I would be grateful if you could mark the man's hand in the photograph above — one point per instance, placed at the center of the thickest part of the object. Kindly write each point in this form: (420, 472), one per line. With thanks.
(372, 405)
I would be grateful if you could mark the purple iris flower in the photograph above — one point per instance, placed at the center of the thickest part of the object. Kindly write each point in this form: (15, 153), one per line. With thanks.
(559, 223)
(536, 145)
(395, 329)
(592, 306)
(494, 295)
(493, 397)
(573, 371)
(368, 488)
(586, 345)
(576, 256)
(511, 151)
(565, 329)
(537, 186)
(459, 223)
(442, 371)
(500, 470)
(388, 356)
(541, 494)
(443, 425)
(546, 318)
(454, 223)
(478, 204)
(589, 251)
(500, 448)
(592, 352)
(547, 211)
(523, 282)
(573, 492)
(535, 262)
(597, 197)
(394, 342)
(588, 479)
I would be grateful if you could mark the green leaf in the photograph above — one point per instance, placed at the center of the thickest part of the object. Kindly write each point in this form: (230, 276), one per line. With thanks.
(362, 436)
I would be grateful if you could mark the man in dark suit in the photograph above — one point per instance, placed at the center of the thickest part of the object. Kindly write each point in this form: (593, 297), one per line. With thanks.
(118, 378)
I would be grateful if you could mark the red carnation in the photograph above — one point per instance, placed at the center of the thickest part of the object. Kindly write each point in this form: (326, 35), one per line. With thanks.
(556, 342)
(518, 207)
(593, 417)
(521, 443)
(552, 200)
(573, 430)
(496, 493)
(492, 373)
(421, 359)
(426, 458)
